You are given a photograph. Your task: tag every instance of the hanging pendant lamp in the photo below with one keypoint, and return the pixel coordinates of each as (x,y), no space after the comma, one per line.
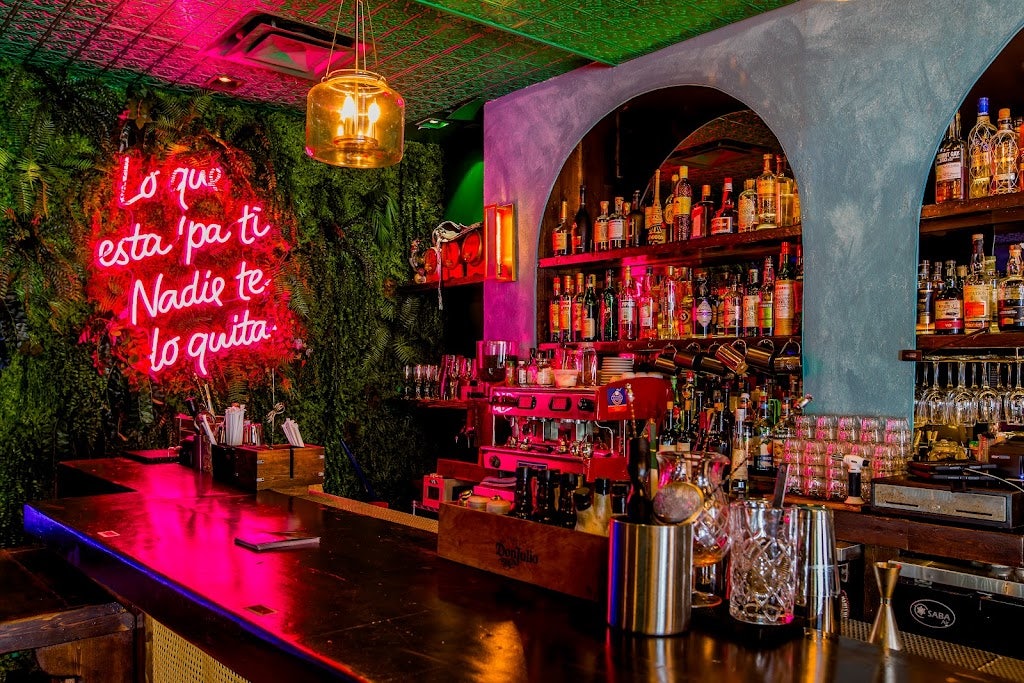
(353,117)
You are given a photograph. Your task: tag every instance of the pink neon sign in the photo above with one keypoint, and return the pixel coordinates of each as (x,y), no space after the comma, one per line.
(184,262)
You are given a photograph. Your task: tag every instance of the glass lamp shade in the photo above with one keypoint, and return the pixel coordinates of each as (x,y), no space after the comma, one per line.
(354,119)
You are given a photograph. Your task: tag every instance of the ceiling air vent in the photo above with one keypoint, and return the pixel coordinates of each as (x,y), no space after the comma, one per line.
(270,41)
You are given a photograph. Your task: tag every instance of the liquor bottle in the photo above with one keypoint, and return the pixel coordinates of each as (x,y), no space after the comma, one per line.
(561,236)
(703,212)
(733,308)
(601,228)
(627,309)
(949,304)
(993,284)
(783,193)
(684,309)
(608,329)
(1004,156)
(979,153)
(752,305)
(668,302)
(554,324)
(764,318)
(762,436)
(565,310)
(746,207)
(1011,293)
(591,310)
(925,300)
(652,216)
(703,306)
(949,165)
(798,289)
(724,222)
(544,499)
(577,309)
(767,199)
(742,437)
(977,290)
(566,509)
(785,295)
(523,505)
(617,237)
(719,290)
(683,197)
(647,304)
(669,210)
(583,237)
(635,222)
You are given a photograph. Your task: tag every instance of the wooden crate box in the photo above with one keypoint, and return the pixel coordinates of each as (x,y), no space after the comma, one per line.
(264,467)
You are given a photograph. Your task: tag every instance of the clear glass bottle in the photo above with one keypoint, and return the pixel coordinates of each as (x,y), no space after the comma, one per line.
(653,219)
(668,302)
(683,196)
(554,324)
(1004,156)
(591,310)
(627,309)
(752,304)
(1011,293)
(949,165)
(993,281)
(647,304)
(724,222)
(925,300)
(608,330)
(635,222)
(764,319)
(949,304)
(746,207)
(783,193)
(977,292)
(561,237)
(784,296)
(733,308)
(979,153)
(601,228)
(617,237)
(767,196)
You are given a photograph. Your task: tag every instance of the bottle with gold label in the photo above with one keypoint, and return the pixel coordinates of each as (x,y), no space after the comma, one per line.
(561,237)
(653,215)
(601,228)
(554,326)
(977,290)
(683,198)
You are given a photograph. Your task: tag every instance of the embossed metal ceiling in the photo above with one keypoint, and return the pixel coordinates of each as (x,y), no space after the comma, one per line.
(439,54)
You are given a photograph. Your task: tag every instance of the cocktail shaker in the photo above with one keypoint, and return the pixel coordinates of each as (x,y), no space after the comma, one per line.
(817,593)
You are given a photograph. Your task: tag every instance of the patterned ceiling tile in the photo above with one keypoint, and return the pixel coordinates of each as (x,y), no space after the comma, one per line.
(607,31)
(438,54)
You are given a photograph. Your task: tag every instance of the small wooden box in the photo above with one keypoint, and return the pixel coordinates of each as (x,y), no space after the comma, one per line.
(562,560)
(264,467)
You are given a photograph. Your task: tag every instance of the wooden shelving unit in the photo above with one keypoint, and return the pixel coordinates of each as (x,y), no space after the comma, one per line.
(938,219)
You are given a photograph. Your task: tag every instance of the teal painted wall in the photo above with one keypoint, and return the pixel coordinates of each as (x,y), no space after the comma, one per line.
(858,93)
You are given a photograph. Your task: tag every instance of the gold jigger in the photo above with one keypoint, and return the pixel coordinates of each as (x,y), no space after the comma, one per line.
(884,631)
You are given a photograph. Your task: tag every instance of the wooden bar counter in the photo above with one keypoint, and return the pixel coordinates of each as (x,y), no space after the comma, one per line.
(374,601)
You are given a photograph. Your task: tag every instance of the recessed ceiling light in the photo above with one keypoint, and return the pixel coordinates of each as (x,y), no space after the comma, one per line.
(223,82)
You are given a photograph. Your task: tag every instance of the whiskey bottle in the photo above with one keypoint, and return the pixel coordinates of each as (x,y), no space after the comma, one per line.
(554,326)
(977,292)
(1011,294)
(764,319)
(949,304)
(617,237)
(683,205)
(561,237)
(979,153)
(653,216)
(591,310)
(767,199)
(565,310)
(635,222)
(601,228)
(925,300)
(582,234)
(746,207)
(627,309)
(703,212)
(784,296)
(752,305)
(577,309)
(949,165)
(1004,156)
(724,222)
(608,330)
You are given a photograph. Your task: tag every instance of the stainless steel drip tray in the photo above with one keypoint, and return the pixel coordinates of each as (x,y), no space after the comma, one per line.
(960,577)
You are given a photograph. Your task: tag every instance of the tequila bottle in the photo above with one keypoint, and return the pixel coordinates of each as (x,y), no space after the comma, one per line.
(979,152)
(949,165)
(767,199)
(1004,156)
(746,208)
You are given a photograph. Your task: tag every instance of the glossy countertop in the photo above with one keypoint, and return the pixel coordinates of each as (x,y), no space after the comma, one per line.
(375,602)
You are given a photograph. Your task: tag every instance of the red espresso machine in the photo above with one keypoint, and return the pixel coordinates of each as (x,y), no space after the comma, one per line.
(582,430)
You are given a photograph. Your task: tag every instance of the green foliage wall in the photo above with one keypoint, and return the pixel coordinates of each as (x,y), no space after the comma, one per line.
(351,233)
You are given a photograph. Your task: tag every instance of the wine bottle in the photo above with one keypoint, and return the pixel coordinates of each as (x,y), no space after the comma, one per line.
(581,226)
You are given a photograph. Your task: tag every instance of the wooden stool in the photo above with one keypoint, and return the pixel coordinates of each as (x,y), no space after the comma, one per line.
(78,633)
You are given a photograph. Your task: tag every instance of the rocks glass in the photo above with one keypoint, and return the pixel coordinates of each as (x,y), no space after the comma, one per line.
(763,564)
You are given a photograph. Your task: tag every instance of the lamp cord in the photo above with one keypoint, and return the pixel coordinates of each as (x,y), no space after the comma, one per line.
(334,41)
